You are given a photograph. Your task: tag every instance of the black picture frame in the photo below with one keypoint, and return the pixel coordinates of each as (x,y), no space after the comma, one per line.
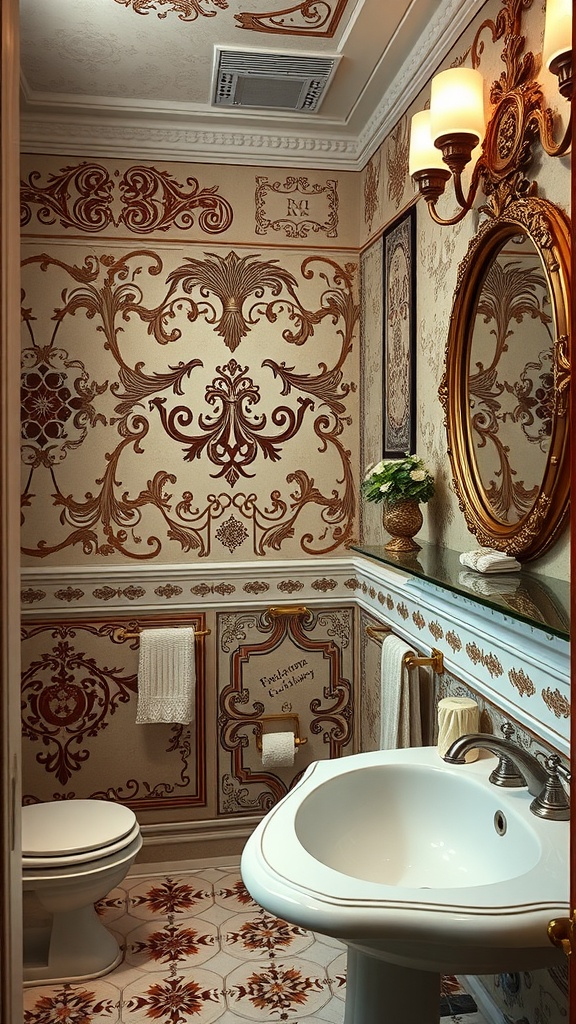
(399,337)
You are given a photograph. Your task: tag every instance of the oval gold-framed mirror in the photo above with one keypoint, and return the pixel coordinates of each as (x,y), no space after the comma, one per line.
(506,379)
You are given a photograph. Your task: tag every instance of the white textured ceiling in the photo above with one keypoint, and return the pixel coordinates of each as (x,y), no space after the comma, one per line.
(135,77)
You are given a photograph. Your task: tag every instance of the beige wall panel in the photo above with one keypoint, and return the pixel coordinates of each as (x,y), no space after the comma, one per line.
(285,665)
(80,737)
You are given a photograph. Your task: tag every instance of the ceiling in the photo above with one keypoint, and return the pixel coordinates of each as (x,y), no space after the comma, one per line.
(137,77)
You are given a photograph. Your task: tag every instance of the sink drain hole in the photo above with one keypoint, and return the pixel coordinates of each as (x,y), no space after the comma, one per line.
(500,823)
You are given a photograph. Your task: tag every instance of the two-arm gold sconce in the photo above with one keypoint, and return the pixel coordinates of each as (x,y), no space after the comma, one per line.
(444,137)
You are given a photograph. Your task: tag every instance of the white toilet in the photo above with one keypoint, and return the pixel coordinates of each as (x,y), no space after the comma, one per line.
(74,852)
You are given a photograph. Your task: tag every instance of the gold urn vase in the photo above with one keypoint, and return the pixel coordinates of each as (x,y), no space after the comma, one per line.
(402,520)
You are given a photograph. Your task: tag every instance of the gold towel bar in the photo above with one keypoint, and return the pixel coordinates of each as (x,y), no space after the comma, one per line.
(125,635)
(298,740)
(288,609)
(435,659)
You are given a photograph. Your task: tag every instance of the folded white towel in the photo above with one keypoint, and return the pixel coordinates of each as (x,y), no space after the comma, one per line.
(400,716)
(166,676)
(488,560)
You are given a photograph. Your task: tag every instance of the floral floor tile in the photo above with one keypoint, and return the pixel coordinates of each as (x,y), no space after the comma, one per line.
(173,894)
(174,998)
(158,944)
(198,948)
(277,990)
(249,936)
(93,1002)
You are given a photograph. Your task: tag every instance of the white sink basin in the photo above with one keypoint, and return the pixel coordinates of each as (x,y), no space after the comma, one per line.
(421,864)
(416,826)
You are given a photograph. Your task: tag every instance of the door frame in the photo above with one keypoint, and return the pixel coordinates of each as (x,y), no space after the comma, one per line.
(10,739)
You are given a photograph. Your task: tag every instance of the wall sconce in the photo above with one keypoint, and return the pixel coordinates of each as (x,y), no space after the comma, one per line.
(557,49)
(443,139)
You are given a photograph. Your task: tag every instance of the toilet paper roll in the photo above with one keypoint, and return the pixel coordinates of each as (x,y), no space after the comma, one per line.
(457,716)
(278,749)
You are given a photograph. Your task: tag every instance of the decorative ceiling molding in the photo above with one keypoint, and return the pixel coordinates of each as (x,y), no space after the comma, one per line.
(103,131)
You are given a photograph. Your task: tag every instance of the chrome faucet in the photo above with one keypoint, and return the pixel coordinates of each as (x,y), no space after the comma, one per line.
(517,767)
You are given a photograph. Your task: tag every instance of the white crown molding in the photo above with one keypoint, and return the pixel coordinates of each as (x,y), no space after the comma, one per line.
(104,133)
(452,18)
(136,141)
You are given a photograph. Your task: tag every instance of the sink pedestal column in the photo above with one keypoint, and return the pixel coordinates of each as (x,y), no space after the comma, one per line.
(381,993)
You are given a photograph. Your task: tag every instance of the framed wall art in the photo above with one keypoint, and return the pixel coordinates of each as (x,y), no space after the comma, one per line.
(399,342)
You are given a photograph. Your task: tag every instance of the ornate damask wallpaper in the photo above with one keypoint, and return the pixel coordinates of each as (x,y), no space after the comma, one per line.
(184,399)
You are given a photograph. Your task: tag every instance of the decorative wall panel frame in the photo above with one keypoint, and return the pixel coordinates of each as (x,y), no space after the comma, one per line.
(79,706)
(399,342)
(318,640)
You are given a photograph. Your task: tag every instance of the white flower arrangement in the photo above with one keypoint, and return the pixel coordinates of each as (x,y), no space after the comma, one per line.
(394,480)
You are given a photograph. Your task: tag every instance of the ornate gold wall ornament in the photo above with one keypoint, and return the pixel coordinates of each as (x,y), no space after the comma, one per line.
(30,595)
(490,661)
(256,587)
(402,611)
(557,703)
(436,630)
(522,682)
(454,641)
(69,594)
(289,586)
(168,591)
(418,620)
(324,585)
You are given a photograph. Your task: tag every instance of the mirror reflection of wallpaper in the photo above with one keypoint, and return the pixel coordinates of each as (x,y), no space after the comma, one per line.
(183,402)
(511,382)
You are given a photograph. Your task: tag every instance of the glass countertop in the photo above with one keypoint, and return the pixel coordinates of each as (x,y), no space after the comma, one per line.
(540,601)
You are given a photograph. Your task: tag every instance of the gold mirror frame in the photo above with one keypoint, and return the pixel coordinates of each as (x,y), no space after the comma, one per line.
(548,229)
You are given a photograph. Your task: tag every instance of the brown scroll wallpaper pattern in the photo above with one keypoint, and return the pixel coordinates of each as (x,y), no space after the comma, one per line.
(88,197)
(179,402)
(320,18)
(279,666)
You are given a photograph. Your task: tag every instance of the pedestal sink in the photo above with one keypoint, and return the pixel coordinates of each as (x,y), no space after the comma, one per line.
(421,868)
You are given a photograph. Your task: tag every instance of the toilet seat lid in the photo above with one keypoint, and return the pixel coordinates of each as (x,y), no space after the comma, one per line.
(64,827)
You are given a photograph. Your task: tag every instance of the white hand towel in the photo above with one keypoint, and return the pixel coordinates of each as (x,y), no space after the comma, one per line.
(166,676)
(400,717)
(488,560)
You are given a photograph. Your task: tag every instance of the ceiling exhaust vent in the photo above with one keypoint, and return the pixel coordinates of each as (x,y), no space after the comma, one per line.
(284,81)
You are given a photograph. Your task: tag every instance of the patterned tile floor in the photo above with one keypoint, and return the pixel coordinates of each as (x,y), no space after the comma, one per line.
(197,948)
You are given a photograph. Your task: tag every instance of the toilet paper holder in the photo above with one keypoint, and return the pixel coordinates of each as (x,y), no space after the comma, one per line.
(298,740)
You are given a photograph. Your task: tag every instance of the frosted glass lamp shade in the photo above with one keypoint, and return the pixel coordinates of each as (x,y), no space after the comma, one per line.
(457,104)
(557,31)
(423,153)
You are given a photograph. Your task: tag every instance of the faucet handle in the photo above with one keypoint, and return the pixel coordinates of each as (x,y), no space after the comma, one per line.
(506,773)
(552,802)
